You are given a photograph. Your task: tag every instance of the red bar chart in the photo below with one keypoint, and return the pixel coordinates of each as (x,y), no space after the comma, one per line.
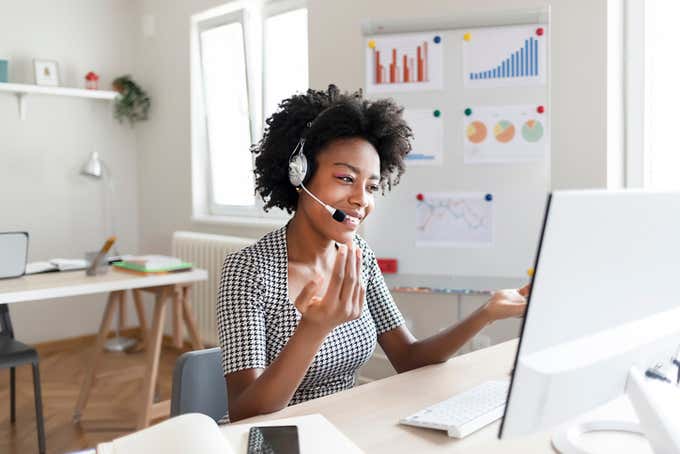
(404,62)
(402,67)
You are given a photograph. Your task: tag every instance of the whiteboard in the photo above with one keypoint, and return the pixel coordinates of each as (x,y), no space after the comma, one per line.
(519,189)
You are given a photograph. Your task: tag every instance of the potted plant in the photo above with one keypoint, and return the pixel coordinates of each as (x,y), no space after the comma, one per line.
(133,102)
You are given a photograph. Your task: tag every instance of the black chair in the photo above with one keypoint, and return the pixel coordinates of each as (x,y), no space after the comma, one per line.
(12,354)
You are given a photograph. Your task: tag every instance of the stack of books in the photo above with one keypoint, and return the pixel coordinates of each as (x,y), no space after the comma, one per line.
(152,264)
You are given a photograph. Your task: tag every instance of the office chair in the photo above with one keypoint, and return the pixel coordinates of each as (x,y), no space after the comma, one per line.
(12,354)
(198,384)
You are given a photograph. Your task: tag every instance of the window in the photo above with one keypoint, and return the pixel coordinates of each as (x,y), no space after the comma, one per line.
(246,58)
(652,93)
(661,94)
(286,57)
(223,66)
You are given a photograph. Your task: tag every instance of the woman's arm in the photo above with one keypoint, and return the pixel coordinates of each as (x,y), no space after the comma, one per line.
(406,353)
(256,391)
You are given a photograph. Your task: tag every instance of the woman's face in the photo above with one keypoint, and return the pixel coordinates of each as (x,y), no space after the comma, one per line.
(347,177)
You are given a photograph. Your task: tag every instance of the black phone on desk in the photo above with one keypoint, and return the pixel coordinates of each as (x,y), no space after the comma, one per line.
(273,440)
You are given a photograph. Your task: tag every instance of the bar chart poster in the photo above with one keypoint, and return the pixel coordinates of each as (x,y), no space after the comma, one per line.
(505,56)
(504,134)
(404,62)
(427,126)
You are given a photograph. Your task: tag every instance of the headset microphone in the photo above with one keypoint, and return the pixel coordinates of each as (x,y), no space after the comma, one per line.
(297,172)
(337,214)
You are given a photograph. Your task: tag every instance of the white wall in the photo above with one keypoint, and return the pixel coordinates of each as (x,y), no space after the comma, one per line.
(40,189)
(578,95)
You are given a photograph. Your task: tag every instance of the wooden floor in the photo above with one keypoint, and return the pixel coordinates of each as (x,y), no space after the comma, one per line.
(111,410)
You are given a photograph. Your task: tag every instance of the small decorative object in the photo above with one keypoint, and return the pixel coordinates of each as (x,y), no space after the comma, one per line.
(91,81)
(133,102)
(4,70)
(46,72)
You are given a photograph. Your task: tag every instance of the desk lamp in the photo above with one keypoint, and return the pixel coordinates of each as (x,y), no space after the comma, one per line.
(96,169)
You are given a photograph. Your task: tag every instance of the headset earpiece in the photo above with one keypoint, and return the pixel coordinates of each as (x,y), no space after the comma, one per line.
(298,165)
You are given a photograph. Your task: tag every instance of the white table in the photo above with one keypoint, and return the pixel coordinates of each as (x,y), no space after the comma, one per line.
(175,287)
(369,414)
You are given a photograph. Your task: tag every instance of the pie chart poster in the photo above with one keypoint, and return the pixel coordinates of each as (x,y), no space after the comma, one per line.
(505,134)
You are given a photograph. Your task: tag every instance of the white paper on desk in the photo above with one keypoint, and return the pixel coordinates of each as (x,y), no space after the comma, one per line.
(39,267)
(192,432)
(315,432)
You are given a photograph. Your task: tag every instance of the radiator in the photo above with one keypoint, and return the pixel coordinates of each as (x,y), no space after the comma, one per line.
(207,252)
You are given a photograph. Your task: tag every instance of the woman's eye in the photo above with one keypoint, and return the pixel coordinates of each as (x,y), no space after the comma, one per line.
(373,188)
(347,179)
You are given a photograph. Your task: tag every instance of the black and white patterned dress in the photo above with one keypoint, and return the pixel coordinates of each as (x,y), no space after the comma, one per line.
(255,317)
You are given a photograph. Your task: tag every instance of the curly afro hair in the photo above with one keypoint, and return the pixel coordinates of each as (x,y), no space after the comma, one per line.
(321,117)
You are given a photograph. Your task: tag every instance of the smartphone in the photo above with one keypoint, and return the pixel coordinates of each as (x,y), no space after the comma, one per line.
(273,440)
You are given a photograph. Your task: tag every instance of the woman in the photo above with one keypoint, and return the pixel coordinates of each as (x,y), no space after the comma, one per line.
(302,309)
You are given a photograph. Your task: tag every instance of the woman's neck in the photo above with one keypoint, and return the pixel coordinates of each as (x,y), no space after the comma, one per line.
(306,244)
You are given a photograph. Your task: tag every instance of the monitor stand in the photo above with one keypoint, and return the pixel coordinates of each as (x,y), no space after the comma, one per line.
(657,405)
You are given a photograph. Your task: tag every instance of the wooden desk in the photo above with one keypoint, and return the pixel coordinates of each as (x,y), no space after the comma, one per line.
(369,414)
(173,287)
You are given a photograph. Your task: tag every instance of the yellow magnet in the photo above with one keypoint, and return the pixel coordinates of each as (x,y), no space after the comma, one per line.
(530,272)
(467,36)
(371,43)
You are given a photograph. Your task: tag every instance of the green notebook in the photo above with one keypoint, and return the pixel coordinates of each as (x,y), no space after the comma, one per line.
(144,269)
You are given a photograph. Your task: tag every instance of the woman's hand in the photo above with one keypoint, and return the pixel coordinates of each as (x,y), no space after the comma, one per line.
(506,304)
(344,298)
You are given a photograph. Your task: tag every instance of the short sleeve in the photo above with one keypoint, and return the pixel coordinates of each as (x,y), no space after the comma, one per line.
(383,309)
(240,315)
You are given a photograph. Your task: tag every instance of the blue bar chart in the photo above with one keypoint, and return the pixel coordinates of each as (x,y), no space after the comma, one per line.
(522,63)
(505,56)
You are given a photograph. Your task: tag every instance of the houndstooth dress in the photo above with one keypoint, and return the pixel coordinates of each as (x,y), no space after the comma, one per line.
(255,318)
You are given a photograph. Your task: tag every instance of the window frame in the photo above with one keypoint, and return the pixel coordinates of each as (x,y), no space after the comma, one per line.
(252,16)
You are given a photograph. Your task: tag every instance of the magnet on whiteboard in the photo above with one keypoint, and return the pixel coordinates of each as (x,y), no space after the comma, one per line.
(540,109)
(420,197)
(468,111)
(488,197)
(371,43)
(467,36)
(436,113)
(437,39)
(539,31)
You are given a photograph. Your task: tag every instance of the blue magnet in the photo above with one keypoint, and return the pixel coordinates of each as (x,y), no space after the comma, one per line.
(488,197)
(437,39)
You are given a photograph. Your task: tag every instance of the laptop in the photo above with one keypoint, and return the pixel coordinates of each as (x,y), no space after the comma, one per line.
(13,254)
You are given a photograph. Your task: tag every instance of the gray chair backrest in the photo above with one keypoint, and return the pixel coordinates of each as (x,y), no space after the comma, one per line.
(198,384)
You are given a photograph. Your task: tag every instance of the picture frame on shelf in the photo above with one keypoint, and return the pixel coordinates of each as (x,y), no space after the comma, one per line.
(46,72)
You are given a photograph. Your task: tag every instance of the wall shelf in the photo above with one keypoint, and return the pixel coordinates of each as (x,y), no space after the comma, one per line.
(22,90)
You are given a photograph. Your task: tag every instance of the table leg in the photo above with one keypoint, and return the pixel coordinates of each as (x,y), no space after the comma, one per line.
(152,356)
(189,318)
(88,380)
(177,316)
(141,313)
(122,311)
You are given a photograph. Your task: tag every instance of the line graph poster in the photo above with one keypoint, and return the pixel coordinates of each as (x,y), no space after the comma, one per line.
(505,56)
(404,62)
(454,219)
(504,134)
(428,137)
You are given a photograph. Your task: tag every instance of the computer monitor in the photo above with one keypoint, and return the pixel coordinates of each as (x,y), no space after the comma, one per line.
(604,305)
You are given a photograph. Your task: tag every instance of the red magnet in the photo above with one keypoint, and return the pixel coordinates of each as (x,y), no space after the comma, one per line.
(540,109)
(539,31)
(420,197)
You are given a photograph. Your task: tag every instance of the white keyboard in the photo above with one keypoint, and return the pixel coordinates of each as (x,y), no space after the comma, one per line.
(466,412)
